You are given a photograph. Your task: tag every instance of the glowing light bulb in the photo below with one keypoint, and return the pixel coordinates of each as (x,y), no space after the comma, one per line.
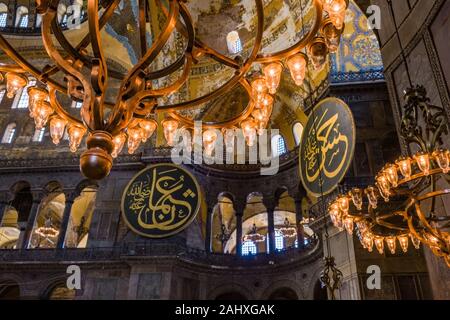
(57,126)
(415,241)
(14,83)
(76,134)
(272,73)
(148,127)
(297,67)
(42,112)
(356,195)
(372,197)
(249,131)
(442,158)
(423,162)
(390,171)
(383,186)
(209,140)
(259,89)
(229,135)
(35,95)
(170,127)
(391,243)
(404,165)
(348,223)
(379,243)
(404,242)
(333,6)
(134,138)
(344,204)
(368,241)
(119,142)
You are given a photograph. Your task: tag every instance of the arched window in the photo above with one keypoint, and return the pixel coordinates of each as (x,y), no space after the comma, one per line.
(3,15)
(8,136)
(278,146)
(234,42)
(22,17)
(297,131)
(38,135)
(249,248)
(22,99)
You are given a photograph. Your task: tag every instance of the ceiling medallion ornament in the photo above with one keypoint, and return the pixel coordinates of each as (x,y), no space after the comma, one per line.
(131,115)
(404,205)
(161,201)
(328,144)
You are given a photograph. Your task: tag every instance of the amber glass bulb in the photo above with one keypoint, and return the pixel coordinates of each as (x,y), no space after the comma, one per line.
(42,112)
(148,127)
(404,242)
(372,197)
(134,138)
(57,126)
(272,73)
(356,195)
(404,165)
(368,241)
(14,82)
(442,158)
(391,243)
(209,140)
(415,241)
(423,162)
(379,243)
(333,6)
(35,95)
(119,142)
(76,134)
(297,67)
(259,89)
(170,128)
(390,172)
(249,131)
(348,223)
(229,136)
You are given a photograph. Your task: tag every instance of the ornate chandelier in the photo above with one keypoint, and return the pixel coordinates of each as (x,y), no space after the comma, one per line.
(132,117)
(415,182)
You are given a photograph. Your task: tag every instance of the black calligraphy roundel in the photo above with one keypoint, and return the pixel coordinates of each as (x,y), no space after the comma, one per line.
(161,201)
(327,146)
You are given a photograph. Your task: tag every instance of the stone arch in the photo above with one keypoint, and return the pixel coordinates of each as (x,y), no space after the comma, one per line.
(57,290)
(283,285)
(223,222)
(227,290)
(9,290)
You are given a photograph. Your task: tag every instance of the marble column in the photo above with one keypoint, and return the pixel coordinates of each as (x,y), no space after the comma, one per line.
(208,228)
(37,197)
(70,198)
(270,205)
(298,220)
(239,216)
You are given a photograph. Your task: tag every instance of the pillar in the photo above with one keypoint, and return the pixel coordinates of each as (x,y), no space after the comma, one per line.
(208,228)
(298,220)
(37,197)
(70,198)
(270,205)
(239,206)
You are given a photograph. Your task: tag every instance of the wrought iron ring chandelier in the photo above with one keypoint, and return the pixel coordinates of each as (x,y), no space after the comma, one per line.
(108,125)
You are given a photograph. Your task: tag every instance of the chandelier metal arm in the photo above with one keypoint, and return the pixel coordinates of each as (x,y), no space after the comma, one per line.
(126,90)
(59,109)
(68,68)
(195,103)
(109,10)
(26,66)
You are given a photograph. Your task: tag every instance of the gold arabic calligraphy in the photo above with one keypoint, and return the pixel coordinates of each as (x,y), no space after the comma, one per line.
(154,202)
(324,145)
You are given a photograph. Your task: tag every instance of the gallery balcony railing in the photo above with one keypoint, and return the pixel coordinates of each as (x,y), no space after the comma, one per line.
(148,250)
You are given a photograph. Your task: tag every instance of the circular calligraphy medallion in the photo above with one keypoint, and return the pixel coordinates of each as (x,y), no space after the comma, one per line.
(161,200)
(327,146)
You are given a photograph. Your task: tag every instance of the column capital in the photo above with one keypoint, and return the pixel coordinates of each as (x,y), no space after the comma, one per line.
(270,203)
(71,194)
